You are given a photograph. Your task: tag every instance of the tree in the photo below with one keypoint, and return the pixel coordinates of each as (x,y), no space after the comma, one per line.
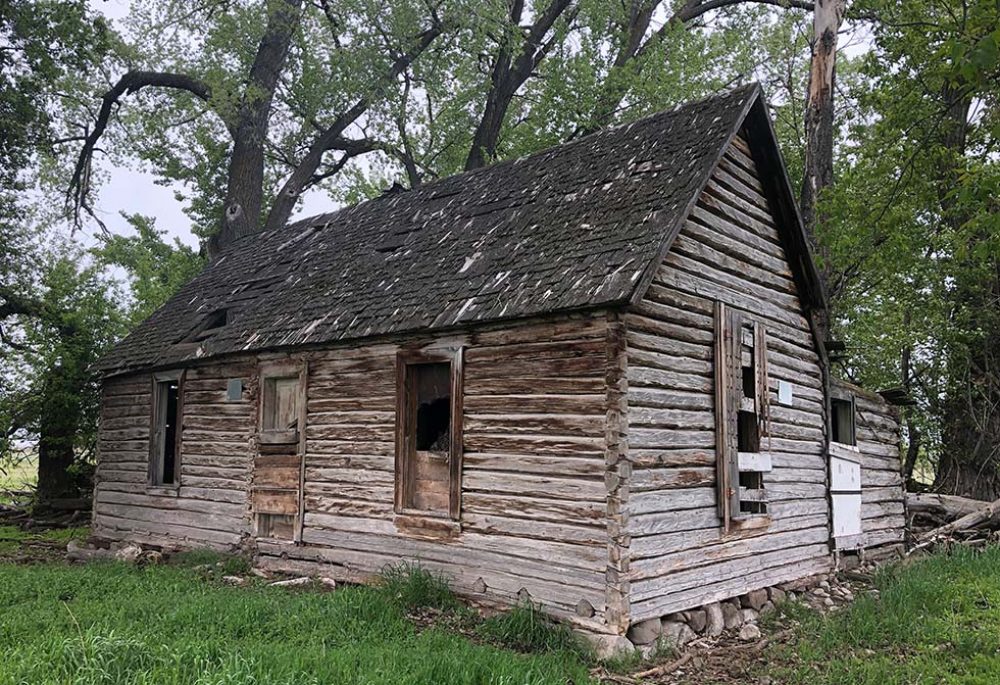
(914,232)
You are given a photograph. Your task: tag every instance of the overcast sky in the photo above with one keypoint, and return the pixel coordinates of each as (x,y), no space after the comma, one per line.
(131,190)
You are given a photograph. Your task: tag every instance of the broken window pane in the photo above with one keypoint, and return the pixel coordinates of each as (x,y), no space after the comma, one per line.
(432,385)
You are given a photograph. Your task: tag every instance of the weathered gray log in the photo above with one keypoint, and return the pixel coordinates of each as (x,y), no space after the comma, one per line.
(949,507)
(977,518)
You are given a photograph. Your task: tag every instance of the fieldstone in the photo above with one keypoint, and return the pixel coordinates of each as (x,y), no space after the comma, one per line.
(828,602)
(825,585)
(697,620)
(732,616)
(152,557)
(820,592)
(645,632)
(777,595)
(755,599)
(715,622)
(676,634)
(750,615)
(767,608)
(749,632)
(234,580)
(129,554)
(609,646)
(329,582)
(260,573)
(679,617)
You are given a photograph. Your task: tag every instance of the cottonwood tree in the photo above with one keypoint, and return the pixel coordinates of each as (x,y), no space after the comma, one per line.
(914,229)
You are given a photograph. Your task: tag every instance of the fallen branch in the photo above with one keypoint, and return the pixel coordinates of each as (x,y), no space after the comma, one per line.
(977,518)
(665,668)
(949,507)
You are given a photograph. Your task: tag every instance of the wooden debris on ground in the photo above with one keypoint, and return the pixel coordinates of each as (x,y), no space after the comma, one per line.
(955,520)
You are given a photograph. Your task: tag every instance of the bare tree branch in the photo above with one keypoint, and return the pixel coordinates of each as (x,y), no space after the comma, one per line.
(509,73)
(284,203)
(129,83)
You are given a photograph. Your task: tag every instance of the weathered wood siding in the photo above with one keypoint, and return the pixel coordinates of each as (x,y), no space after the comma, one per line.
(210,506)
(728,251)
(883,519)
(534,505)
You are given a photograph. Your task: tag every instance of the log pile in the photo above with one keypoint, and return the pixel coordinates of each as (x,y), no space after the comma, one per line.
(946,519)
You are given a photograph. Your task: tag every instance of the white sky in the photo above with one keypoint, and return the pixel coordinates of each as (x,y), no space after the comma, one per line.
(134,191)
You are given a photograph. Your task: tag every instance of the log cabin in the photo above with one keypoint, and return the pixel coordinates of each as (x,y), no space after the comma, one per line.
(590,378)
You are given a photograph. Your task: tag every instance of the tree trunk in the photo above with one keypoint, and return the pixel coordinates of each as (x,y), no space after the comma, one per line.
(58,424)
(245,189)
(818,170)
(970,457)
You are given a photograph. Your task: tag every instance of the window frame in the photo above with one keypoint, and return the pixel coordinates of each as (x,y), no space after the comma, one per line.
(847,397)
(157,446)
(405,427)
(730,402)
(275,371)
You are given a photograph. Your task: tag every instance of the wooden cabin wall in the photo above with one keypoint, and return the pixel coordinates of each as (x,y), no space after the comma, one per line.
(883,520)
(534,503)
(209,508)
(728,251)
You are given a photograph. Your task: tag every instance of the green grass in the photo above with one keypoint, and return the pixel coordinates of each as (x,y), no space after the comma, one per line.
(526,629)
(21,475)
(115,624)
(937,620)
(13,538)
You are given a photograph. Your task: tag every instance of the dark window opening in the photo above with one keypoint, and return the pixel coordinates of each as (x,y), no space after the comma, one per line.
(749,382)
(842,421)
(432,385)
(747,432)
(165,434)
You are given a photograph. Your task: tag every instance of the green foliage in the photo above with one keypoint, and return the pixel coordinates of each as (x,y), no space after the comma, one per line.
(935,622)
(112,623)
(526,629)
(414,587)
(156,268)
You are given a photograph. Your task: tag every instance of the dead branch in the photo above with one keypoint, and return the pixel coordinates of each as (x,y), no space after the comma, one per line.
(129,83)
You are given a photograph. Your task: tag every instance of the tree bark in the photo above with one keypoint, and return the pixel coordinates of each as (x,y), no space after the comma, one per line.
(508,75)
(331,137)
(245,188)
(818,172)
(818,168)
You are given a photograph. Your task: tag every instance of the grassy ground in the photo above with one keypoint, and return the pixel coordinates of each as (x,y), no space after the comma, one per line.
(19,476)
(937,620)
(115,624)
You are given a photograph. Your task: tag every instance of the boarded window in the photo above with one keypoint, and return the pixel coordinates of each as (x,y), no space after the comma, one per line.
(279,414)
(276,526)
(742,414)
(842,428)
(428,433)
(164,457)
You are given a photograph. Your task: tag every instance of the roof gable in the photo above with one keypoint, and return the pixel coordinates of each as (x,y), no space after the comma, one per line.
(579,226)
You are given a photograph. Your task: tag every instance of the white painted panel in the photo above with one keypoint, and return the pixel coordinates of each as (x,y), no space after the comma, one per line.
(845,476)
(846,515)
(755,461)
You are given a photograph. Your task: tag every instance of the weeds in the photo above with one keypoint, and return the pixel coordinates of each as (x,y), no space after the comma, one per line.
(525,628)
(414,587)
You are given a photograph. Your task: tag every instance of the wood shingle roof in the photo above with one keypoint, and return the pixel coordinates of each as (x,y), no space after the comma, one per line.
(574,227)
